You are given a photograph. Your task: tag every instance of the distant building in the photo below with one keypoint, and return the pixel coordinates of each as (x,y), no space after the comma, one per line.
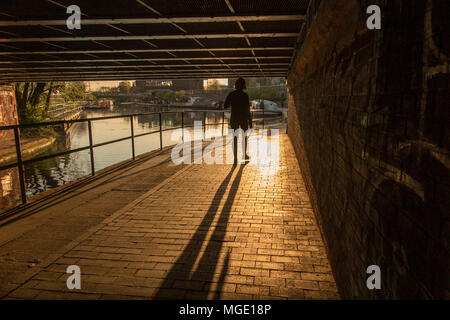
(178,85)
(259,82)
(266,82)
(231,82)
(175,85)
(146,85)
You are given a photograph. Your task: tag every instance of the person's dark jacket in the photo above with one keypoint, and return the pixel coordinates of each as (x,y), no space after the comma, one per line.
(240,110)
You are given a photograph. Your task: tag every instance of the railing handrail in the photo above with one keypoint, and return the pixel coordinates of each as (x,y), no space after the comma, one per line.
(58,122)
(20,162)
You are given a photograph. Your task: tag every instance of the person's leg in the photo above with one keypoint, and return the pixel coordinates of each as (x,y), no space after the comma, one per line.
(246,147)
(245,142)
(235,143)
(243,146)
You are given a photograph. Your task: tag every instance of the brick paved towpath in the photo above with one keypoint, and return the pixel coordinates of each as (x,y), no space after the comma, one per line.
(207,232)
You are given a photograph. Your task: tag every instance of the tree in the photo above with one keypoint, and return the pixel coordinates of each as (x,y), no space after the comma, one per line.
(91,97)
(213,85)
(124,87)
(74,91)
(253,93)
(267,93)
(52,87)
(167,96)
(32,100)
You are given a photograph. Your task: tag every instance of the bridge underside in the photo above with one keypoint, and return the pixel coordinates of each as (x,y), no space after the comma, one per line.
(141,39)
(368,108)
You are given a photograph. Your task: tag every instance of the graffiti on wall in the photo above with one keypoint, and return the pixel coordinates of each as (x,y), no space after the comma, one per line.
(416,174)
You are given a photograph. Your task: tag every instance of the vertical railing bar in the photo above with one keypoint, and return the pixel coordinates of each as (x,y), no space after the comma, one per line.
(91,148)
(204,125)
(20,165)
(263,118)
(182,126)
(160,131)
(132,138)
(223,121)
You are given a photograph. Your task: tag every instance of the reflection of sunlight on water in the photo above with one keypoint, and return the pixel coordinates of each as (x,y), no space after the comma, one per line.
(265,153)
(6,182)
(53,172)
(9,188)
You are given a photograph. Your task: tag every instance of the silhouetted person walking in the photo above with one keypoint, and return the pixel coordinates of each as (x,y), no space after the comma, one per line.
(241,116)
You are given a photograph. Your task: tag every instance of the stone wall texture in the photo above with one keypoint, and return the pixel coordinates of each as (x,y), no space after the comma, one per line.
(8,112)
(369,118)
(9,179)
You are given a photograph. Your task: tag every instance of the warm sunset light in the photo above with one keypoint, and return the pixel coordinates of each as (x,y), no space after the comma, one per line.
(220,157)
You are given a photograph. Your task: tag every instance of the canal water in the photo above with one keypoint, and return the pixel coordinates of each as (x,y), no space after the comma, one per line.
(47,174)
(56,171)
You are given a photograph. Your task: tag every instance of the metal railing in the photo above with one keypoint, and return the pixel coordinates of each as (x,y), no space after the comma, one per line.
(21,162)
(58,111)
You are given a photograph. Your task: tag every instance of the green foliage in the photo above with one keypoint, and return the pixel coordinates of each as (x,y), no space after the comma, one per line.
(167,96)
(74,91)
(253,93)
(119,100)
(267,93)
(124,87)
(91,97)
(32,101)
(213,85)
(270,93)
(34,113)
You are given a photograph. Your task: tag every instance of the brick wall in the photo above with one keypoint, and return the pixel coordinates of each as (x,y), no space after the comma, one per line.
(9,179)
(8,111)
(369,119)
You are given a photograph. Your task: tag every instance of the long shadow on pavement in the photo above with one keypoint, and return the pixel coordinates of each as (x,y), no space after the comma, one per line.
(182,271)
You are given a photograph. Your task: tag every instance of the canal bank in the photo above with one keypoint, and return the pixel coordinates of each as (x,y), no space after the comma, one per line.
(74,159)
(29,148)
(51,173)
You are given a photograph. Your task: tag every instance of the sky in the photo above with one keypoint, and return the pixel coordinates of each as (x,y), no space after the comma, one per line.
(95,85)
(221,81)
